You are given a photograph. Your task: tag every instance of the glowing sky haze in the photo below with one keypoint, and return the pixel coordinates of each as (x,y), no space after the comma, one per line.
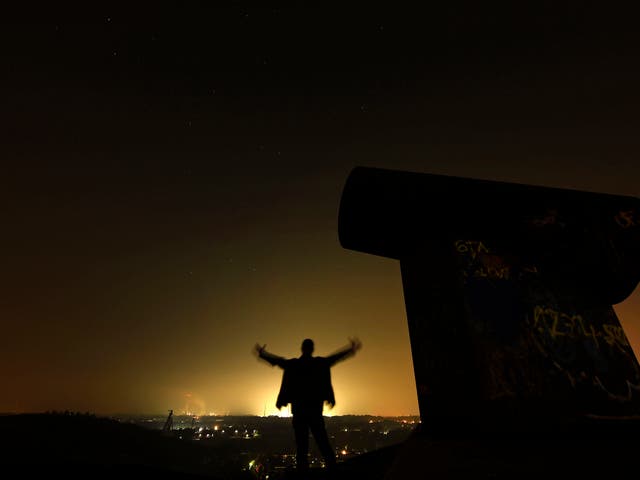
(171,183)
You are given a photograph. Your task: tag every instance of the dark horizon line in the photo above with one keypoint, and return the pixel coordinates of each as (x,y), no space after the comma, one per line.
(111,415)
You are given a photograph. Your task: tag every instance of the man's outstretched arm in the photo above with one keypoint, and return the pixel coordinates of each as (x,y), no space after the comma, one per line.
(346,352)
(269,357)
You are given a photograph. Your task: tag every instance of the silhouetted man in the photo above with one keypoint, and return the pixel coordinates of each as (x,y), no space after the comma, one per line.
(306,384)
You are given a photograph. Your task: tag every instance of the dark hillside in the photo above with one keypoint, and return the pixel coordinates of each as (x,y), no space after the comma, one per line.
(86,446)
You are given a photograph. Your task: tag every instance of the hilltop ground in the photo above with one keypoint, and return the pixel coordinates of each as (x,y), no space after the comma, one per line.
(85,446)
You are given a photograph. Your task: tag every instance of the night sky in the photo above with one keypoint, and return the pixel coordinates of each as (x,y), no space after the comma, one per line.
(171,179)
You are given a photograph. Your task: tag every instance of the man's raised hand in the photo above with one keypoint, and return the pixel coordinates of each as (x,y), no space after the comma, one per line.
(355,344)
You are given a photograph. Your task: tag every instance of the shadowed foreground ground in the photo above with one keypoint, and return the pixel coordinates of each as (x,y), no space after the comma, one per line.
(84,446)
(89,447)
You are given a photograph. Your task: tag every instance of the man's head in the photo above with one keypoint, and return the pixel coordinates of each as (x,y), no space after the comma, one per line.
(307,346)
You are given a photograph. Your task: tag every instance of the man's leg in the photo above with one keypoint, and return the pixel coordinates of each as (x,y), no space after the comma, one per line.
(301,430)
(320,434)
